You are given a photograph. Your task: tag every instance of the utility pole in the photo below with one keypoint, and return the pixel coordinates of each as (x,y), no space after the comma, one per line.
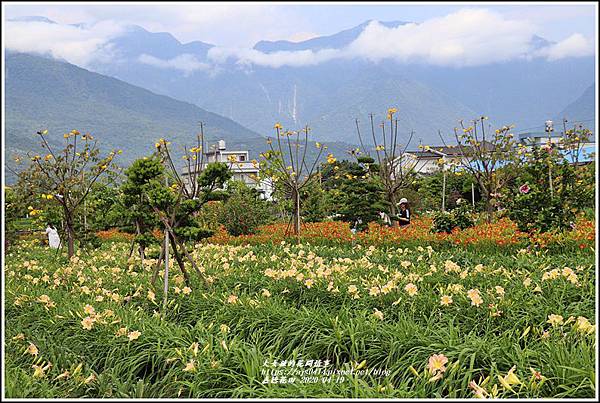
(166,278)
(444,187)
(549,129)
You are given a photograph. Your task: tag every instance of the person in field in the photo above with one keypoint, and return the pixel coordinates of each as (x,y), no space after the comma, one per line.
(53,238)
(403,215)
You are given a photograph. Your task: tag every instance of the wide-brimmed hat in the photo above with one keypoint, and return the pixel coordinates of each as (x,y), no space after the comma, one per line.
(403,201)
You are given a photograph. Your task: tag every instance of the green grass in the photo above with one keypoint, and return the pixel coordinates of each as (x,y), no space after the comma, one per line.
(296,321)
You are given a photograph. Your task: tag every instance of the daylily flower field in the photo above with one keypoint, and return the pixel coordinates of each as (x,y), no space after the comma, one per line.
(277,318)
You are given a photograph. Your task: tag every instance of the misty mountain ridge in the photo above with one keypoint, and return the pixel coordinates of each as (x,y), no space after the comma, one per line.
(330,95)
(335,41)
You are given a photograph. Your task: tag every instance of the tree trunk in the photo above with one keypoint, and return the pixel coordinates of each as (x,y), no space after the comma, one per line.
(186,276)
(131,248)
(393,211)
(489,208)
(142,255)
(296,200)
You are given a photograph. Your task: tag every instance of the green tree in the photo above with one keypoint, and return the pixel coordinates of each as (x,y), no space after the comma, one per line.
(138,213)
(549,190)
(316,202)
(67,176)
(362,196)
(458,186)
(243,211)
(177,205)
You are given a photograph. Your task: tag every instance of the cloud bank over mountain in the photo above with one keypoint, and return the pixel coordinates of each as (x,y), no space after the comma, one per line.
(79,44)
(186,62)
(468,37)
(575,45)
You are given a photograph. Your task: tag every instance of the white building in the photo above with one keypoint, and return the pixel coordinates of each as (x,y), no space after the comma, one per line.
(242,168)
(432,159)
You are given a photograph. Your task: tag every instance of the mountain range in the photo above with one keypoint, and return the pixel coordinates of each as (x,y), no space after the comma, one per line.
(245,100)
(48,94)
(329,96)
(581,109)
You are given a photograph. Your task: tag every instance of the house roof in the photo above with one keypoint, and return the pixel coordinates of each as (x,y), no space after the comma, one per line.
(435,151)
(452,151)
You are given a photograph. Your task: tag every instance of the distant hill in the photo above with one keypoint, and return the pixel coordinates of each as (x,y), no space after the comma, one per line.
(47,94)
(327,97)
(582,110)
(335,41)
(43,93)
(32,18)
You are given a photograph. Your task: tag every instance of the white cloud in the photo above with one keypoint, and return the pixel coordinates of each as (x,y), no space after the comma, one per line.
(276,59)
(465,38)
(185,62)
(226,24)
(76,45)
(468,37)
(575,45)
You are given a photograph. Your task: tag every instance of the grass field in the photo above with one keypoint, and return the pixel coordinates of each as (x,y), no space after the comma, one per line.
(384,321)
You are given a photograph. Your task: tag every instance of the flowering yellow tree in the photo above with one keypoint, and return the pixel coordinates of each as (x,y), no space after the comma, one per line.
(489,158)
(285,165)
(67,176)
(396,170)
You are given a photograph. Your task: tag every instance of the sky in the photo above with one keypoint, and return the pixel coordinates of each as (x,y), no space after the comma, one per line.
(447,34)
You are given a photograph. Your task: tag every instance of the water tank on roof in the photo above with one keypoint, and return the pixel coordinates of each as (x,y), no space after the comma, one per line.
(221,144)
